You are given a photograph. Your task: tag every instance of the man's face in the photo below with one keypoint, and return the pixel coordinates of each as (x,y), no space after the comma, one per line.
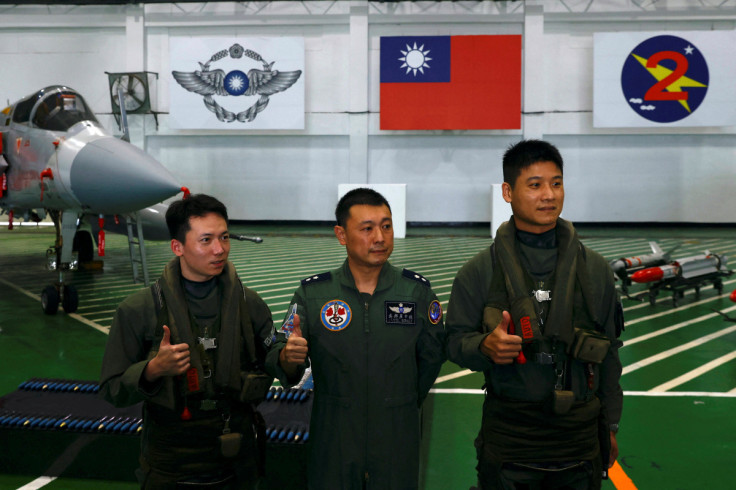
(368,235)
(205,250)
(537,197)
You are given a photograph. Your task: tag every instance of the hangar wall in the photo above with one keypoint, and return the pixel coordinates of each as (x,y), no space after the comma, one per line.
(612,175)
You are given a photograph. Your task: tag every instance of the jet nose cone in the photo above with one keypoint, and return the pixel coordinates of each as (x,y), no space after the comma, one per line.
(110,176)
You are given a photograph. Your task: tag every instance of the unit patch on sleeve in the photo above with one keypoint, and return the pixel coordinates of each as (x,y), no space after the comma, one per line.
(401,313)
(336,315)
(435,312)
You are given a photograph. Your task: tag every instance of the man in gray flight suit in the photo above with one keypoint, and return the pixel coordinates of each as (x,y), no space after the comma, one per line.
(374,336)
(191,348)
(538,313)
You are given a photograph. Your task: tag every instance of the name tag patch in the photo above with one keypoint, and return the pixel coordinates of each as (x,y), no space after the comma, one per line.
(400,313)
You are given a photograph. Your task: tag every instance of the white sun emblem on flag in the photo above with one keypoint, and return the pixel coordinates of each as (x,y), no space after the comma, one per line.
(415,59)
(236,83)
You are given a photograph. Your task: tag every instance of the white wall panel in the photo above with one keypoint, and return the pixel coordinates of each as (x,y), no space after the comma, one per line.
(667,178)
(260,177)
(660,174)
(448,176)
(31,60)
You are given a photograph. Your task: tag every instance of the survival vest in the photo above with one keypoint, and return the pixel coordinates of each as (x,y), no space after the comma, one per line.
(512,289)
(241,378)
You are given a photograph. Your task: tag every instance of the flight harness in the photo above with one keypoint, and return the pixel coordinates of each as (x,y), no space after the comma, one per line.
(254,382)
(553,339)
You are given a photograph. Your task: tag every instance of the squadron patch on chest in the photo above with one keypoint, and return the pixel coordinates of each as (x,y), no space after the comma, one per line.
(401,313)
(336,315)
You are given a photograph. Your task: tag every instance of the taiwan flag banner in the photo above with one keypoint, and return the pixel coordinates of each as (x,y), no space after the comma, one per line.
(664,79)
(451,82)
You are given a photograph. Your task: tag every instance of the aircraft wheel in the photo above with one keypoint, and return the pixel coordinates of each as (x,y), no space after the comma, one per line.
(71,299)
(50,300)
(84,246)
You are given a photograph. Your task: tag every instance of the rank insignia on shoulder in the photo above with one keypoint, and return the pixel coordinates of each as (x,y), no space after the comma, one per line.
(400,313)
(435,312)
(316,278)
(416,277)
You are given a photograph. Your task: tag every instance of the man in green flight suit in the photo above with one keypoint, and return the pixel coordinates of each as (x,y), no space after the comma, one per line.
(375,339)
(539,315)
(191,348)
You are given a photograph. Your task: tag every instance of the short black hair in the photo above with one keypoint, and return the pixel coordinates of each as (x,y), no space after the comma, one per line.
(526,153)
(361,195)
(199,205)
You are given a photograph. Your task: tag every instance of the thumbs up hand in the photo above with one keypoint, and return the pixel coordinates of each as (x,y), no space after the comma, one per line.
(296,348)
(171,359)
(295,351)
(499,345)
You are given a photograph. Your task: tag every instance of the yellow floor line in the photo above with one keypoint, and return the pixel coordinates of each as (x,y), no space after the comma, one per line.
(619,478)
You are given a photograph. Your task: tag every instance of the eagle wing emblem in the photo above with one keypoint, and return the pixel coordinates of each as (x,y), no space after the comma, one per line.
(269,82)
(202,82)
(402,309)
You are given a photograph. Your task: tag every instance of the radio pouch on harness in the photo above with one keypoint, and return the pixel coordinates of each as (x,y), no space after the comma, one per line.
(255,386)
(590,346)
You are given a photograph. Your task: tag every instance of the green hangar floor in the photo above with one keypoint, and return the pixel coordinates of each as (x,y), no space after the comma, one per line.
(678,429)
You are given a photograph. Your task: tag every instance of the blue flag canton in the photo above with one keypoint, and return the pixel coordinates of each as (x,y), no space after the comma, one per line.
(415,59)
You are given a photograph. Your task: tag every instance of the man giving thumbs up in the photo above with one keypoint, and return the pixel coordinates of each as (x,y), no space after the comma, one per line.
(191,349)
(374,336)
(524,312)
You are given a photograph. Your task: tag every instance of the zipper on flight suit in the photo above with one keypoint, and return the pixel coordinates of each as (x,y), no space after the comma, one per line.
(366,298)
(366,329)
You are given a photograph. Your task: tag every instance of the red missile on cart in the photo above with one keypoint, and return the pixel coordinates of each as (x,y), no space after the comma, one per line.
(687,268)
(657,257)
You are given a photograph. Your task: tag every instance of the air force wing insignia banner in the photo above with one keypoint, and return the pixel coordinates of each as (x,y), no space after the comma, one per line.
(237,83)
(451,82)
(652,79)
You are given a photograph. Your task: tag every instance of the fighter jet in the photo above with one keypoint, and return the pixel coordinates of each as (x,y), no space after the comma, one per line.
(57,160)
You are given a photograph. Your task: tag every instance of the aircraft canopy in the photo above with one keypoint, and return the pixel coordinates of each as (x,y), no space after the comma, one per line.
(54,109)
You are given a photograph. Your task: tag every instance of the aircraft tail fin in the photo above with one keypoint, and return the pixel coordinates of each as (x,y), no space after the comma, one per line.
(655,247)
(669,252)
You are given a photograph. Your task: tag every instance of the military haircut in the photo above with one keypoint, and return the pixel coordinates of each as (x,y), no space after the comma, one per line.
(199,205)
(526,153)
(361,195)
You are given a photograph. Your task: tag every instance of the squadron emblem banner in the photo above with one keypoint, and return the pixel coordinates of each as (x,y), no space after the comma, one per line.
(659,79)
(237,83)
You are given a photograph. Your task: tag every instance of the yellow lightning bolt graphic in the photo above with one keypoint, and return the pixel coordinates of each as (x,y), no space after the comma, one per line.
(660,73)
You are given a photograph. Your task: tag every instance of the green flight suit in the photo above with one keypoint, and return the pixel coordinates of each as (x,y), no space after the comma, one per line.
(523,387)
(173,448)
(374,359)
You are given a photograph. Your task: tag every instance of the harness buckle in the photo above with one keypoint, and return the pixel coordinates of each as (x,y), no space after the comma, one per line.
(545,358)
(208,405)
(541,295)
(207,342)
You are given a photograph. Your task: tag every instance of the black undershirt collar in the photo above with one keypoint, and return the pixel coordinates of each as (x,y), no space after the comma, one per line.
(199,290)
(546,240)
